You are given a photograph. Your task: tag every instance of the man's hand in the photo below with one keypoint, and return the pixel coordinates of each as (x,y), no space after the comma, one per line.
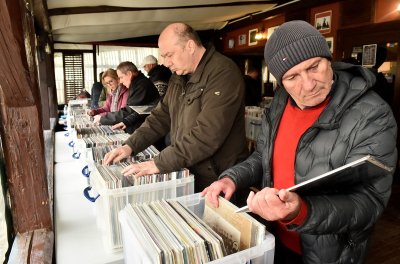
(120,125)
(96,119)
(117,154)
(272,204)
(140,169)
(225,185)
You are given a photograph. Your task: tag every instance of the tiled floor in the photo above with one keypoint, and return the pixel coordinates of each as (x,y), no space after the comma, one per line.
(385,246)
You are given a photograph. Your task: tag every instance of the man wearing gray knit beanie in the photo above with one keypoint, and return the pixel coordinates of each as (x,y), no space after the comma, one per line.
(292,43)
(322,116)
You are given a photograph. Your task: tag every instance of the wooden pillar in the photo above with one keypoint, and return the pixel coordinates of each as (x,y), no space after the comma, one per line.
(20,117)
(47,86)
(48,93)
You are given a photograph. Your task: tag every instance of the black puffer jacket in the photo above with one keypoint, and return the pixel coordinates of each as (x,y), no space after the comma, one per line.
(356,122)
(160,75)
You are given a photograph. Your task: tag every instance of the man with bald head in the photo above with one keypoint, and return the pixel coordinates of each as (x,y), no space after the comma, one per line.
(203,109)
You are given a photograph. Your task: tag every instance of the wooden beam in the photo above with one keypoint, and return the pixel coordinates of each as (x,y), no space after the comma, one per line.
(106,9)
(21,248)
(20,112)
(32,247)
(41,15)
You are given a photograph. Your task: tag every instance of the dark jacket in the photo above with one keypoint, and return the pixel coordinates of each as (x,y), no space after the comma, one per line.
(141,92)
(160,75)
(206,118)
(96,91)
(356,122)
(253,91)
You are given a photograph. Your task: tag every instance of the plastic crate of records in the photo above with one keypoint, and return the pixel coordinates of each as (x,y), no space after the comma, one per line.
(253,120)
(187,230)
(115,191)
(76,110)
(96,146)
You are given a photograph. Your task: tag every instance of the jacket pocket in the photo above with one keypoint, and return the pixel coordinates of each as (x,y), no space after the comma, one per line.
(191,97)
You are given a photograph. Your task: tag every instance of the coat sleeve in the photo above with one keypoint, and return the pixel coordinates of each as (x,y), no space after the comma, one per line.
(357,207)
(142,93)
(112,118)
(246,173)
(156,125)
(106,107)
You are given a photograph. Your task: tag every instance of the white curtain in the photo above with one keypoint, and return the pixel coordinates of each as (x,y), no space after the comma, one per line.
(111,56)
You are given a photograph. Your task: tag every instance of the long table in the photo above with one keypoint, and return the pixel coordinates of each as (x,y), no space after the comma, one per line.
(77,237)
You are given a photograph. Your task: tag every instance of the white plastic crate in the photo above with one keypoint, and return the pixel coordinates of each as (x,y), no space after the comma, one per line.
(253,119)
(111,201)
(262,253)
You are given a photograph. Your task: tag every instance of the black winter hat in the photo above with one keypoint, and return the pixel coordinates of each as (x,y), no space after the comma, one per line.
(293,42)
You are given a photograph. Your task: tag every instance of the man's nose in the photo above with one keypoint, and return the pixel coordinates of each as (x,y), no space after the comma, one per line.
(167,62)
(308,82)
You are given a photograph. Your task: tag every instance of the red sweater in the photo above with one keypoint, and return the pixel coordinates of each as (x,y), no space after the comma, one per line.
(292,126)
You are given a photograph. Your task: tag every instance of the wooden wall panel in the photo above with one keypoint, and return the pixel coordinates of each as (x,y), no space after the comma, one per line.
(356,12)
(20,116)
(256,49)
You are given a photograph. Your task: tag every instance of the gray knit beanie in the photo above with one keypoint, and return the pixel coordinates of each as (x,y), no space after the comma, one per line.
(293,42)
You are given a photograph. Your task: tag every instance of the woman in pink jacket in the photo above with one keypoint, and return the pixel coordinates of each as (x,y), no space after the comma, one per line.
(116,98)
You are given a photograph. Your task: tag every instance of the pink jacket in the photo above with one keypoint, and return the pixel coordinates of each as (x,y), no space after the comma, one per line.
(122,98)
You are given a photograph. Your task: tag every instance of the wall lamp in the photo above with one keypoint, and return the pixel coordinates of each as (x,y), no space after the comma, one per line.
(261,34)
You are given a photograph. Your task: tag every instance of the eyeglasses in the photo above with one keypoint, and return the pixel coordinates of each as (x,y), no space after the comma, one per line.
(109,82)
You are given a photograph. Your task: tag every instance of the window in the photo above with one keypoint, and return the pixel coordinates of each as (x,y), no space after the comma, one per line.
(81,69)
(73,75)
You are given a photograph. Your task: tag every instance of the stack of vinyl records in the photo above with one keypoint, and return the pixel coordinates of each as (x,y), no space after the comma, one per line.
(117,190)
(81,120)
(98,153)
(105,140)
(78,111)
(82,132)
(146,154)
(112,177)
(170,231)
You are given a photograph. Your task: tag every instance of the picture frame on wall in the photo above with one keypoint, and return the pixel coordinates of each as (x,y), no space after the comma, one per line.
(242,39)
(329,40)
(323,22)
(369,55)
(252,37)
(231,43)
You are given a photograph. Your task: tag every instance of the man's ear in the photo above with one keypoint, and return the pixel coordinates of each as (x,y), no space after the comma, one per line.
(191,46)
(130,74)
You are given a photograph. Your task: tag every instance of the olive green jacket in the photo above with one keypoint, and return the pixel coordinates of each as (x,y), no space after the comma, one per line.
(205,116)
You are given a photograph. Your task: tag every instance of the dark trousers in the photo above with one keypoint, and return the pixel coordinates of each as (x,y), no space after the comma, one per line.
(283,255)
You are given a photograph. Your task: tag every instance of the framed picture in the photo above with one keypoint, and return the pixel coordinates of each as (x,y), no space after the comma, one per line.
(369,55)
(242,39)
(323,21)
(231,43)
(252,37)
(330,43)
